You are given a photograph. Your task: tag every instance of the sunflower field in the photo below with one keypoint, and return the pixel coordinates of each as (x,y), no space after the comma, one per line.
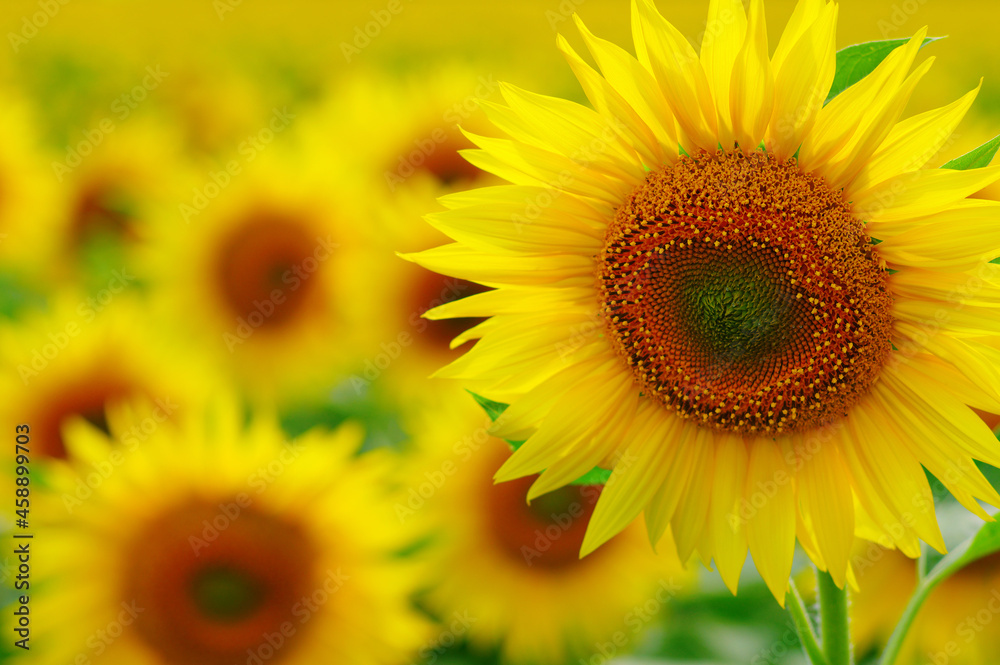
(535,332)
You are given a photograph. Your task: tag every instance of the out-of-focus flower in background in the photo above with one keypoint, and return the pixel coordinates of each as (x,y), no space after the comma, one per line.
(215,541)
(88,351)
(201,205)
(514,568)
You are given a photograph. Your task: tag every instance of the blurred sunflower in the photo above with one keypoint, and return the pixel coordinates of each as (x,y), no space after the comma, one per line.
(723,315)
(412,155)
(956,624)
(215,107)
(512,570)
(85,353)
(216,542)
(407,160)
(110,186)
(265,267)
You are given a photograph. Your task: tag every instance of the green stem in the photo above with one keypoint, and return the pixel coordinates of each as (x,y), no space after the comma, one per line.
(803,626)
(924,588)
(835,625)
(895,644)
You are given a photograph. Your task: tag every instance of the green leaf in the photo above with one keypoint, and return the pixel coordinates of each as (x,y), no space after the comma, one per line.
(986,541)
(975,159)
(596,476)
(858,61)
(492,409)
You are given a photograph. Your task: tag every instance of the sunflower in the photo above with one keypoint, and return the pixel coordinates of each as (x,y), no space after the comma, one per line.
(110,181)
(217,542)
(406,161)
(260,266)
(509,576)
(413,154)
(688,276)
(87,352)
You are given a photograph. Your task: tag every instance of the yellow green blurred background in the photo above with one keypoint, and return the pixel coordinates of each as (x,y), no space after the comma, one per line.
(164,165)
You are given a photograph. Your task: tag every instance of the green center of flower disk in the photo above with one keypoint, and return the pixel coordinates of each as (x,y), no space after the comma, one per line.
(745,294)
(226,594)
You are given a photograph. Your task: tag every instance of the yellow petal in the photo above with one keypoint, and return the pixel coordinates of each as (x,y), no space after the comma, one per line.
(967,320)
(726,522)
(881,515)
(951,289)
(839,121)
(770,492)
(752,99)
(523,164)
(636,477)
(876,127)
(493,269)
(507,228)
(609,102)
(662,506)
(978,362)
(724,34)
(636,85)
(921,193)
(942,373)
(691,518)
(958,472)
(825,495)
(510,300)
(803,16)
(680,76)
(802,83)
(965,235)
(530,197)
(577,413)
(600,444)
(898,478)
(522,418)
(914,142)
(573,130)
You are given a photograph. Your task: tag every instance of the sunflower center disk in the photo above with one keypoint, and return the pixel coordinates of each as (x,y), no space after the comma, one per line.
(744,293)
(214,579)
